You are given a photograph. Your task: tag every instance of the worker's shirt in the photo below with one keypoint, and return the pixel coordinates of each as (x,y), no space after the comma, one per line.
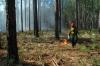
(73,34)
(73,31)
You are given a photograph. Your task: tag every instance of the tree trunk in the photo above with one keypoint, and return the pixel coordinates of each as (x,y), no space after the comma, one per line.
(59,16)
(40,17)
(39,14)
(25,13)
(99,22)
(77,20)
(0,36)
(92,15)
(11,33)
(29,16)
(57,20)
(0,40)
(21,16)
(79,16)
(36,26)
(85,15)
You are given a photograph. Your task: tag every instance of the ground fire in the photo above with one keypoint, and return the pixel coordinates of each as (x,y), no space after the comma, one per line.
(64,42)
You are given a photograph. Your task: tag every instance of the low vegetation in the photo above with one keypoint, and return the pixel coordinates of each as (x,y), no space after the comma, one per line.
(46,51)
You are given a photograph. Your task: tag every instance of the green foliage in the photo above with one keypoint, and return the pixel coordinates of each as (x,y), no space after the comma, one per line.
(93,47)
(87,12)
(84,48)
(96,61)
(69,9)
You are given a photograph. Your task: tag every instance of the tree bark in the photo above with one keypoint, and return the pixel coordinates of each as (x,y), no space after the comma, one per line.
(11,33)
(0,40)
(77,12)
(99,22)
(39,14)
(29,16)
(57,20)
(25,13)
(21,16)
(36,26)
(59,16)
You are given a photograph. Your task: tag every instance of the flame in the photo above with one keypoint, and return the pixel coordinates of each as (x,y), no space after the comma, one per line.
(65,42)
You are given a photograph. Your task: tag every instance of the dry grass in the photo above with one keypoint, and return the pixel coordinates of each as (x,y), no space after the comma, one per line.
(46,51)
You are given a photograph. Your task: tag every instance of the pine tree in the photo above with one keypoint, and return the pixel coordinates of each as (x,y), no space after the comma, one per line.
(77,19)
(57,20)
(29,16)
(21,16)
(25,3)
(11,33)
(36,25)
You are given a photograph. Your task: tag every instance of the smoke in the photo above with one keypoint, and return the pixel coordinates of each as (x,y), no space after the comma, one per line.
(45,15)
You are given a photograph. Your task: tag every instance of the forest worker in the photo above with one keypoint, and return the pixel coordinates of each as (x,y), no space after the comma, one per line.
(72,35)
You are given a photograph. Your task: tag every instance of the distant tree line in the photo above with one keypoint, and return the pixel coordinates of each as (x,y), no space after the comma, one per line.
(85,13)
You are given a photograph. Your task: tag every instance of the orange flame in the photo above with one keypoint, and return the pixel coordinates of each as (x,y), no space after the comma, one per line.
(65,42)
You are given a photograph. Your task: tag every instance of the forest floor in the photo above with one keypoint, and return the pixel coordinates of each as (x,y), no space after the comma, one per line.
(46,51)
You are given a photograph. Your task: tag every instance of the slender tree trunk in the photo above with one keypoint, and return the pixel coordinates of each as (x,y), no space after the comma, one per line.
(98,16)
(85,15)
(99,22)
(29,16)
(0,36)
(0,40)
(59,16)
(80,15)
(21,16)
(40,14)
(92,15)
(77,20)
(57,20)
(36,26)
(25,13)
(11,33)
